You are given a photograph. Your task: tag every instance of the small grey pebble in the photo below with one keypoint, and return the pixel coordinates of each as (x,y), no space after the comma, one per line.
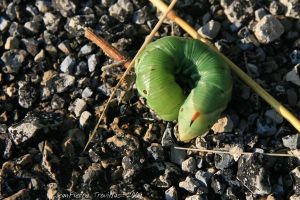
(293,75)
(33,27)
(121,10)
(13,60)
(84,118)
(4,24)
(57,102)
(171,194)
(291,141)
(68,64)
(27,95)
(260,13)
(266,127)
(190,184)
(268,29)
(223,161)
(11,43)
(203,177)
(79,106)
(81,69)
(272,114)
(87,92)
(156,151)
(189,165)
(32,45)
(65,47)
(92,62)
(292,8)
(86,50)
(211,29)
(43,6)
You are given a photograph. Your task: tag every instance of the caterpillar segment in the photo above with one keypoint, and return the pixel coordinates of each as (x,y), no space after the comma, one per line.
(182,79)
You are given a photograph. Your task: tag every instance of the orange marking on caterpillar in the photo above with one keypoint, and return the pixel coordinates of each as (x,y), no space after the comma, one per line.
(195,116)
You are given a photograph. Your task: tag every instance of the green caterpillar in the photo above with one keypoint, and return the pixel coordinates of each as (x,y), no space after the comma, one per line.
(183,79)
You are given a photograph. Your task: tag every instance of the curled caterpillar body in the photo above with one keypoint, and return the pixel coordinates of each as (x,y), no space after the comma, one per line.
(183,79)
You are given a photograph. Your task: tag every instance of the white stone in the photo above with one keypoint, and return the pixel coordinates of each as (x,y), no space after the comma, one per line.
(268,29)
(79,106)
(211,29)
(189,184)
(293,76)
(171,193)
(84,118)
(92,63)
(224,124)
(189,165)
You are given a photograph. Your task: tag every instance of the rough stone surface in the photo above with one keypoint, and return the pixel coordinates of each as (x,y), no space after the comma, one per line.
(4,24)
(171,194)
(194,197)
(291,141)
(33,27)
(238,11)
(268,29)
(266,127)
(259,14)
(57,102)
(189,165)
(276,8)
(295,56)
(65,47)
(84,118)
(50,162)
(223,161)
(253,175)
(292,8)
(293,75)
(60,82)
(224,124)
(85,50)
(190,184)
(156,151)
(66,8)
(51,21)
(79,106)
(87,92)
(92,63)
(67,64)
(43,6)
(217,184)
(27,95)
(13,60)
(211,29)
(31,45)
(272,114)
(203,177)
(11,43)
(121,10)
(295,173)
(93,173)
(140,16)
(33,125)
(177,156)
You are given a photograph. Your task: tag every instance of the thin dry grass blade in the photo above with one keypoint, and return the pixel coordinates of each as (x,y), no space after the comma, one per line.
(228,152)
(147,40)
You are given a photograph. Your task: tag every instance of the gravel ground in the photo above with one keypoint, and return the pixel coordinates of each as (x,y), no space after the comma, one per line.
(53,88)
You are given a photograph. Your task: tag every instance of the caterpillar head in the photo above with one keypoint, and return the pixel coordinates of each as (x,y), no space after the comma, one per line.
(194,122)
(191,123)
